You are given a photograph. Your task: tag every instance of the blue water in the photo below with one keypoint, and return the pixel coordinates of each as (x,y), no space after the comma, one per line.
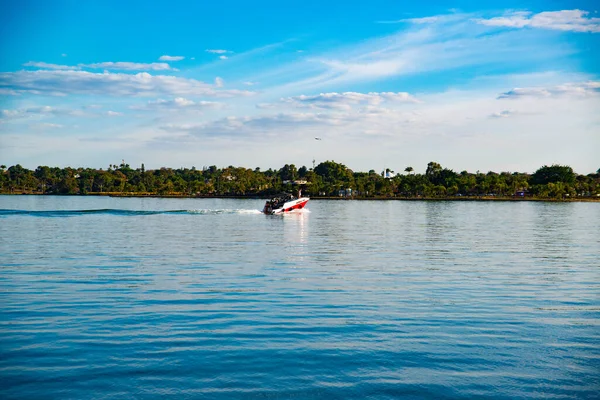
(122,298)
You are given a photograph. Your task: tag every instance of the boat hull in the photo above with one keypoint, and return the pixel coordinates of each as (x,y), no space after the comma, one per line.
(296,204)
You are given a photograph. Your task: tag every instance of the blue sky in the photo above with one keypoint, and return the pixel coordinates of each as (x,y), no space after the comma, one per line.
(484,86)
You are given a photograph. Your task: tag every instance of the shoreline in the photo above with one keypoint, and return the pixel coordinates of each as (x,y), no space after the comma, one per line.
(332,198)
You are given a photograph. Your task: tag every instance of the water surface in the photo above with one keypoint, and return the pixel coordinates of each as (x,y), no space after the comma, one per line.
(114,298)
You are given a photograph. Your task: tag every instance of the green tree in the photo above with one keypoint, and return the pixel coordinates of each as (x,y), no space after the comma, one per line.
(335,176)
(288,172)
(433,170)
(554,173)
(167,188)
(46,177)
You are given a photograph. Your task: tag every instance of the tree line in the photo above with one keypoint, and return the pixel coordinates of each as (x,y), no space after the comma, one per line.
(327,179)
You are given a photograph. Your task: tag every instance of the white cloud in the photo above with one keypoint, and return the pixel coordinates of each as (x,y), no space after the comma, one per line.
(114,113)
(522,92)
(63,55)
(355,117)
(240,127)
(453,16)
(218,51)
(171,58)
(109,84)
(461,129)
(219,82)
(223,57)
(121,66)
(577,89)
(52,111)
(249,83)
(45,125)
(502,114)
(265,106)
(49,66)
(129,66)
(40,110)
(372,69)
(296,129)
(10,113)
(565,20)
(423,20)
(37,112)
(8,92)
(348,99)
(178,103)
(428,45)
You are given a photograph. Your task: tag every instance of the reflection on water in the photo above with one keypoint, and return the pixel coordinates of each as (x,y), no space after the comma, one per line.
(295,228)
(352,299)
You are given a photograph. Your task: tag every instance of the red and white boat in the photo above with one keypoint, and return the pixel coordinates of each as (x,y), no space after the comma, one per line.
(284,203)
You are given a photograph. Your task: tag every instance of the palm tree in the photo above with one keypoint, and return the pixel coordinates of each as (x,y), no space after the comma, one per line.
(408,169)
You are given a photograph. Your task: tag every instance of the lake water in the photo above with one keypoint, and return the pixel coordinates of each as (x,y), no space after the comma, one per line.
(117,298)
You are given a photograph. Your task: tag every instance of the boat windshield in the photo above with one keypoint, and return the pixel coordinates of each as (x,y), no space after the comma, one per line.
(280,199)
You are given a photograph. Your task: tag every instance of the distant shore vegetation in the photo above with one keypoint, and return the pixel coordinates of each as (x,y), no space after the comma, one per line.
(327,179)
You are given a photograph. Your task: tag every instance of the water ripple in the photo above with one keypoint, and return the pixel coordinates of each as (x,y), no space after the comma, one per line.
(138,298)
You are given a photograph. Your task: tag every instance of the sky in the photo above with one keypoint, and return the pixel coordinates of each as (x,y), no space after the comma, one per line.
(472,85)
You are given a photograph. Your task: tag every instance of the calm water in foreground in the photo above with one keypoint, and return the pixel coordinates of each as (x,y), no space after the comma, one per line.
(190,298)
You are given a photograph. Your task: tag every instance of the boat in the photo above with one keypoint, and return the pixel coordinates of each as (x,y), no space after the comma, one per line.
(283,203)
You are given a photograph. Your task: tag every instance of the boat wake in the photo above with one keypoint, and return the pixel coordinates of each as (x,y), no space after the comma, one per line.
(300,211)
(120,212)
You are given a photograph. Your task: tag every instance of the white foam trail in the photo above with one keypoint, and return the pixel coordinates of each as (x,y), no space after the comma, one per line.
(224,211)
(249,211)
(296,212)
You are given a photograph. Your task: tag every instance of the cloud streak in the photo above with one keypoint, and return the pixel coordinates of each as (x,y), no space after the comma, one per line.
(502,114)
(128,66)
(109,65)
(46,125)
(348,99)
(61,83)
(42,111)
(577,89)
(565,20)
(383,114)
(243,127)
(218,51)
(427,45)
(44,65)
(171,58)
(178,103)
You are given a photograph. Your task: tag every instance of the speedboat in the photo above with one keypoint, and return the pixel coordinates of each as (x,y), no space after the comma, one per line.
(283,203)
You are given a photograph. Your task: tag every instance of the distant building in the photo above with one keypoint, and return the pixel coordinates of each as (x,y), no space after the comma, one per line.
(345,192)
(521,193)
